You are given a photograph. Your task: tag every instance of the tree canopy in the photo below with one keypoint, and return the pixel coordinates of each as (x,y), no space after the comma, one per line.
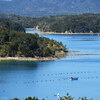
(84,23)
(67,97)
(15,42)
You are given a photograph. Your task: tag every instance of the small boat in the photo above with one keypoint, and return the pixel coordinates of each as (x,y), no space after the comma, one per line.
(73,78)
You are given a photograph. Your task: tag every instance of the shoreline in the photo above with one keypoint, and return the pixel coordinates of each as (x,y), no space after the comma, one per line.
(69,33)
(36,59)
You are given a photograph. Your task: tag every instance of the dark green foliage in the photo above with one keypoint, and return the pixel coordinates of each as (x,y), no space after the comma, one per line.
(84,23)
(71,23)
(68,97)
(6,24)
(30,98)
(19,44)
(16,99)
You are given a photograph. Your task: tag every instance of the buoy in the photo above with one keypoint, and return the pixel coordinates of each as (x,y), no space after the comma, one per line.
(57,94)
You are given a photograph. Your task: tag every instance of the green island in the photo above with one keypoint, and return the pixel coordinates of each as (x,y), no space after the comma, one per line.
(72,24)
(15,44)
(67,97)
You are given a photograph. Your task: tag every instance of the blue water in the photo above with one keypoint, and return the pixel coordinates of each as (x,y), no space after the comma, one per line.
(46,79)
(32,32)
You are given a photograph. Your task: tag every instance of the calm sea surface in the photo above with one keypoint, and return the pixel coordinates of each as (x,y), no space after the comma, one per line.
(46,79)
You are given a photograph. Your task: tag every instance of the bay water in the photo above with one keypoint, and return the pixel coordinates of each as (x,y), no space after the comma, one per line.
(46,79)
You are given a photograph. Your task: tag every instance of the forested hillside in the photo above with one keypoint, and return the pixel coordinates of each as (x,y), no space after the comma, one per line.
(84,23)
(10,25)
(14,42)
(49,7)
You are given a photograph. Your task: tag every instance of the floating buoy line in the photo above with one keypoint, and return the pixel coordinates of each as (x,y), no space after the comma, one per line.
(84,72)
(63,79)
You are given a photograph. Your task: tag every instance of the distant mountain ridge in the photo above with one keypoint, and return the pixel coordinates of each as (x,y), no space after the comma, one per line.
(49,7)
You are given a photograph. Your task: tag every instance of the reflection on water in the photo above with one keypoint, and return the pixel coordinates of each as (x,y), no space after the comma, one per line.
(46,79)
(19,65)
